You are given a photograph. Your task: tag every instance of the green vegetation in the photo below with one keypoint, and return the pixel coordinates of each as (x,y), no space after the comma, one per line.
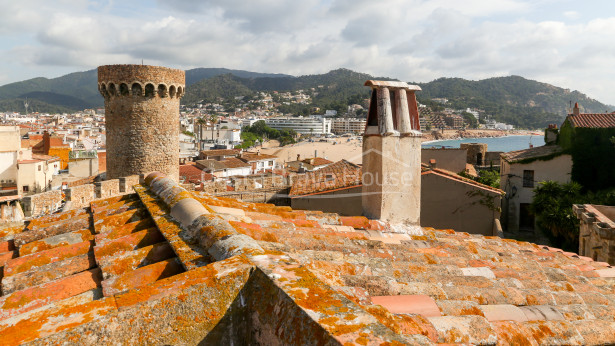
(487,177)
(593,155)
(513,100)
(259,131)
(470,119)
(552,206)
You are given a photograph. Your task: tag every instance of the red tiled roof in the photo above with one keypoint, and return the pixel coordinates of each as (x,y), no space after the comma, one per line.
(455,176)
(339,175)
(45,157)
(317,161)
(126,271)
(531,153)
(251,157)
(219,152)
(592,120)
(233,162)
(194,175)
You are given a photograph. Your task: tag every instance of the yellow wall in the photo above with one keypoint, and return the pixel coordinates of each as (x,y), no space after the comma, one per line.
(62,153)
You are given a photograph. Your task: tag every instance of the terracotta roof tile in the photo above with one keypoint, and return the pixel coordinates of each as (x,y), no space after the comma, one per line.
(341,174)
(531,153)
(322,273)
(592,120)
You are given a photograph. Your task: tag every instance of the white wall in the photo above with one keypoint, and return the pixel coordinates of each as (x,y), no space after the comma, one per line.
(511,181)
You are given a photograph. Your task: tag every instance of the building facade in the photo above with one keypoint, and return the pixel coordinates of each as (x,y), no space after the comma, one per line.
(301,125)
(520,173)
(348,125)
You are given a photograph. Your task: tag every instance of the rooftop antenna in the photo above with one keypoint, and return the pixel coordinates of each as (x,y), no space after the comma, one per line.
(26,104)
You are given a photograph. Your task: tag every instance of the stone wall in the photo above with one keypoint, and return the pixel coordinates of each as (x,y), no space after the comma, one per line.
(596,232)
(80,196)
(126,183)
(42,203)
(107,188)
(214,187)
(476,152)
(142,118)
(259,182)
(492,158)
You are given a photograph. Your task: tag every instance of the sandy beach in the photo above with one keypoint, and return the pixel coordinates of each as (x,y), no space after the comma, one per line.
(351,149)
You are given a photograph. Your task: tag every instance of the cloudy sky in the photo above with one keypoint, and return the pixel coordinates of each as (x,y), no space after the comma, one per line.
(563,42)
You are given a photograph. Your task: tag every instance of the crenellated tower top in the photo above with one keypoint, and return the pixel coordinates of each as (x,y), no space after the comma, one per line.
(140,81)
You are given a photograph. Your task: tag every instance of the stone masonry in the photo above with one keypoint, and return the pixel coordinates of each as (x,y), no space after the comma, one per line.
(142,118)
(596,231)
(107,188)
(42,203)
(80,196)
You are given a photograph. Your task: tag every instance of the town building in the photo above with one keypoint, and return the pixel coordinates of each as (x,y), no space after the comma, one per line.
(307,165)
(588,137)
(224,168)
(9,155)
(454,121)
(259,163)
(341,126)
(520,173)
(36,172)
(301,125)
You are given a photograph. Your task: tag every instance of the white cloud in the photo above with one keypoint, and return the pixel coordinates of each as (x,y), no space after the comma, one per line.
(412,40)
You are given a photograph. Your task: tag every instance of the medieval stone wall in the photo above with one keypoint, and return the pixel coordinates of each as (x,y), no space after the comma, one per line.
(596,232)
(107,188)
(42,203)
(80,196)
(476,152)
(126,183)
(142,118)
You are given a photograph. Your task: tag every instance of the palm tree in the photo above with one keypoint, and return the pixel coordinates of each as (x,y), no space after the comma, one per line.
(200,122)
(213,119)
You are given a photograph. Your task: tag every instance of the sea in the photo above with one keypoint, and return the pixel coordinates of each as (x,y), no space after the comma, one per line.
(505,144)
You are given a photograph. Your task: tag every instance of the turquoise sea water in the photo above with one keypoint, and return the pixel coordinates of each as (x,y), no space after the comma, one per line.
(505,144)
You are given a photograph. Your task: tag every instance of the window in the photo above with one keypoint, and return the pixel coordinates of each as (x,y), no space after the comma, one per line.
(26,188)
(39,168)
(528,178)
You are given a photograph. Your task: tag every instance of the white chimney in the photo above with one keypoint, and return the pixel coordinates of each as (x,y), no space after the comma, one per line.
(392,154)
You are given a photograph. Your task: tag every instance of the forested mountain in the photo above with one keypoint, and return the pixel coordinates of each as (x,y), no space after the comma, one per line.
(514,100)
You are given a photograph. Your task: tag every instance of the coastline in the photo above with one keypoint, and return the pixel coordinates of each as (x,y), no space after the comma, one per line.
(436,136)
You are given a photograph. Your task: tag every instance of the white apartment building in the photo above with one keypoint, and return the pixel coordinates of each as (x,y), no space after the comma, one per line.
(10,145)
(348,125)
(302,125)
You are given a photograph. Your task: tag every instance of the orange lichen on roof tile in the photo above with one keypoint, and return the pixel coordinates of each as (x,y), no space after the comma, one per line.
(38,259)
(55,320)
(358,222)
(56,241)
(141,276)
(37,296)
(128,243)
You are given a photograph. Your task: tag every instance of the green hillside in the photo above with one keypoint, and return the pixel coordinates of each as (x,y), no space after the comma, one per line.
(514,100)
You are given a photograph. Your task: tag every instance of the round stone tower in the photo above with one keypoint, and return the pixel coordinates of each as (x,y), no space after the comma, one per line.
(141,118)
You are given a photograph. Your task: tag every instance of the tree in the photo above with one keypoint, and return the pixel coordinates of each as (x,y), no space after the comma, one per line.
(552,206)
(489,177)
(213,119)
(200,121)
(470,119)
